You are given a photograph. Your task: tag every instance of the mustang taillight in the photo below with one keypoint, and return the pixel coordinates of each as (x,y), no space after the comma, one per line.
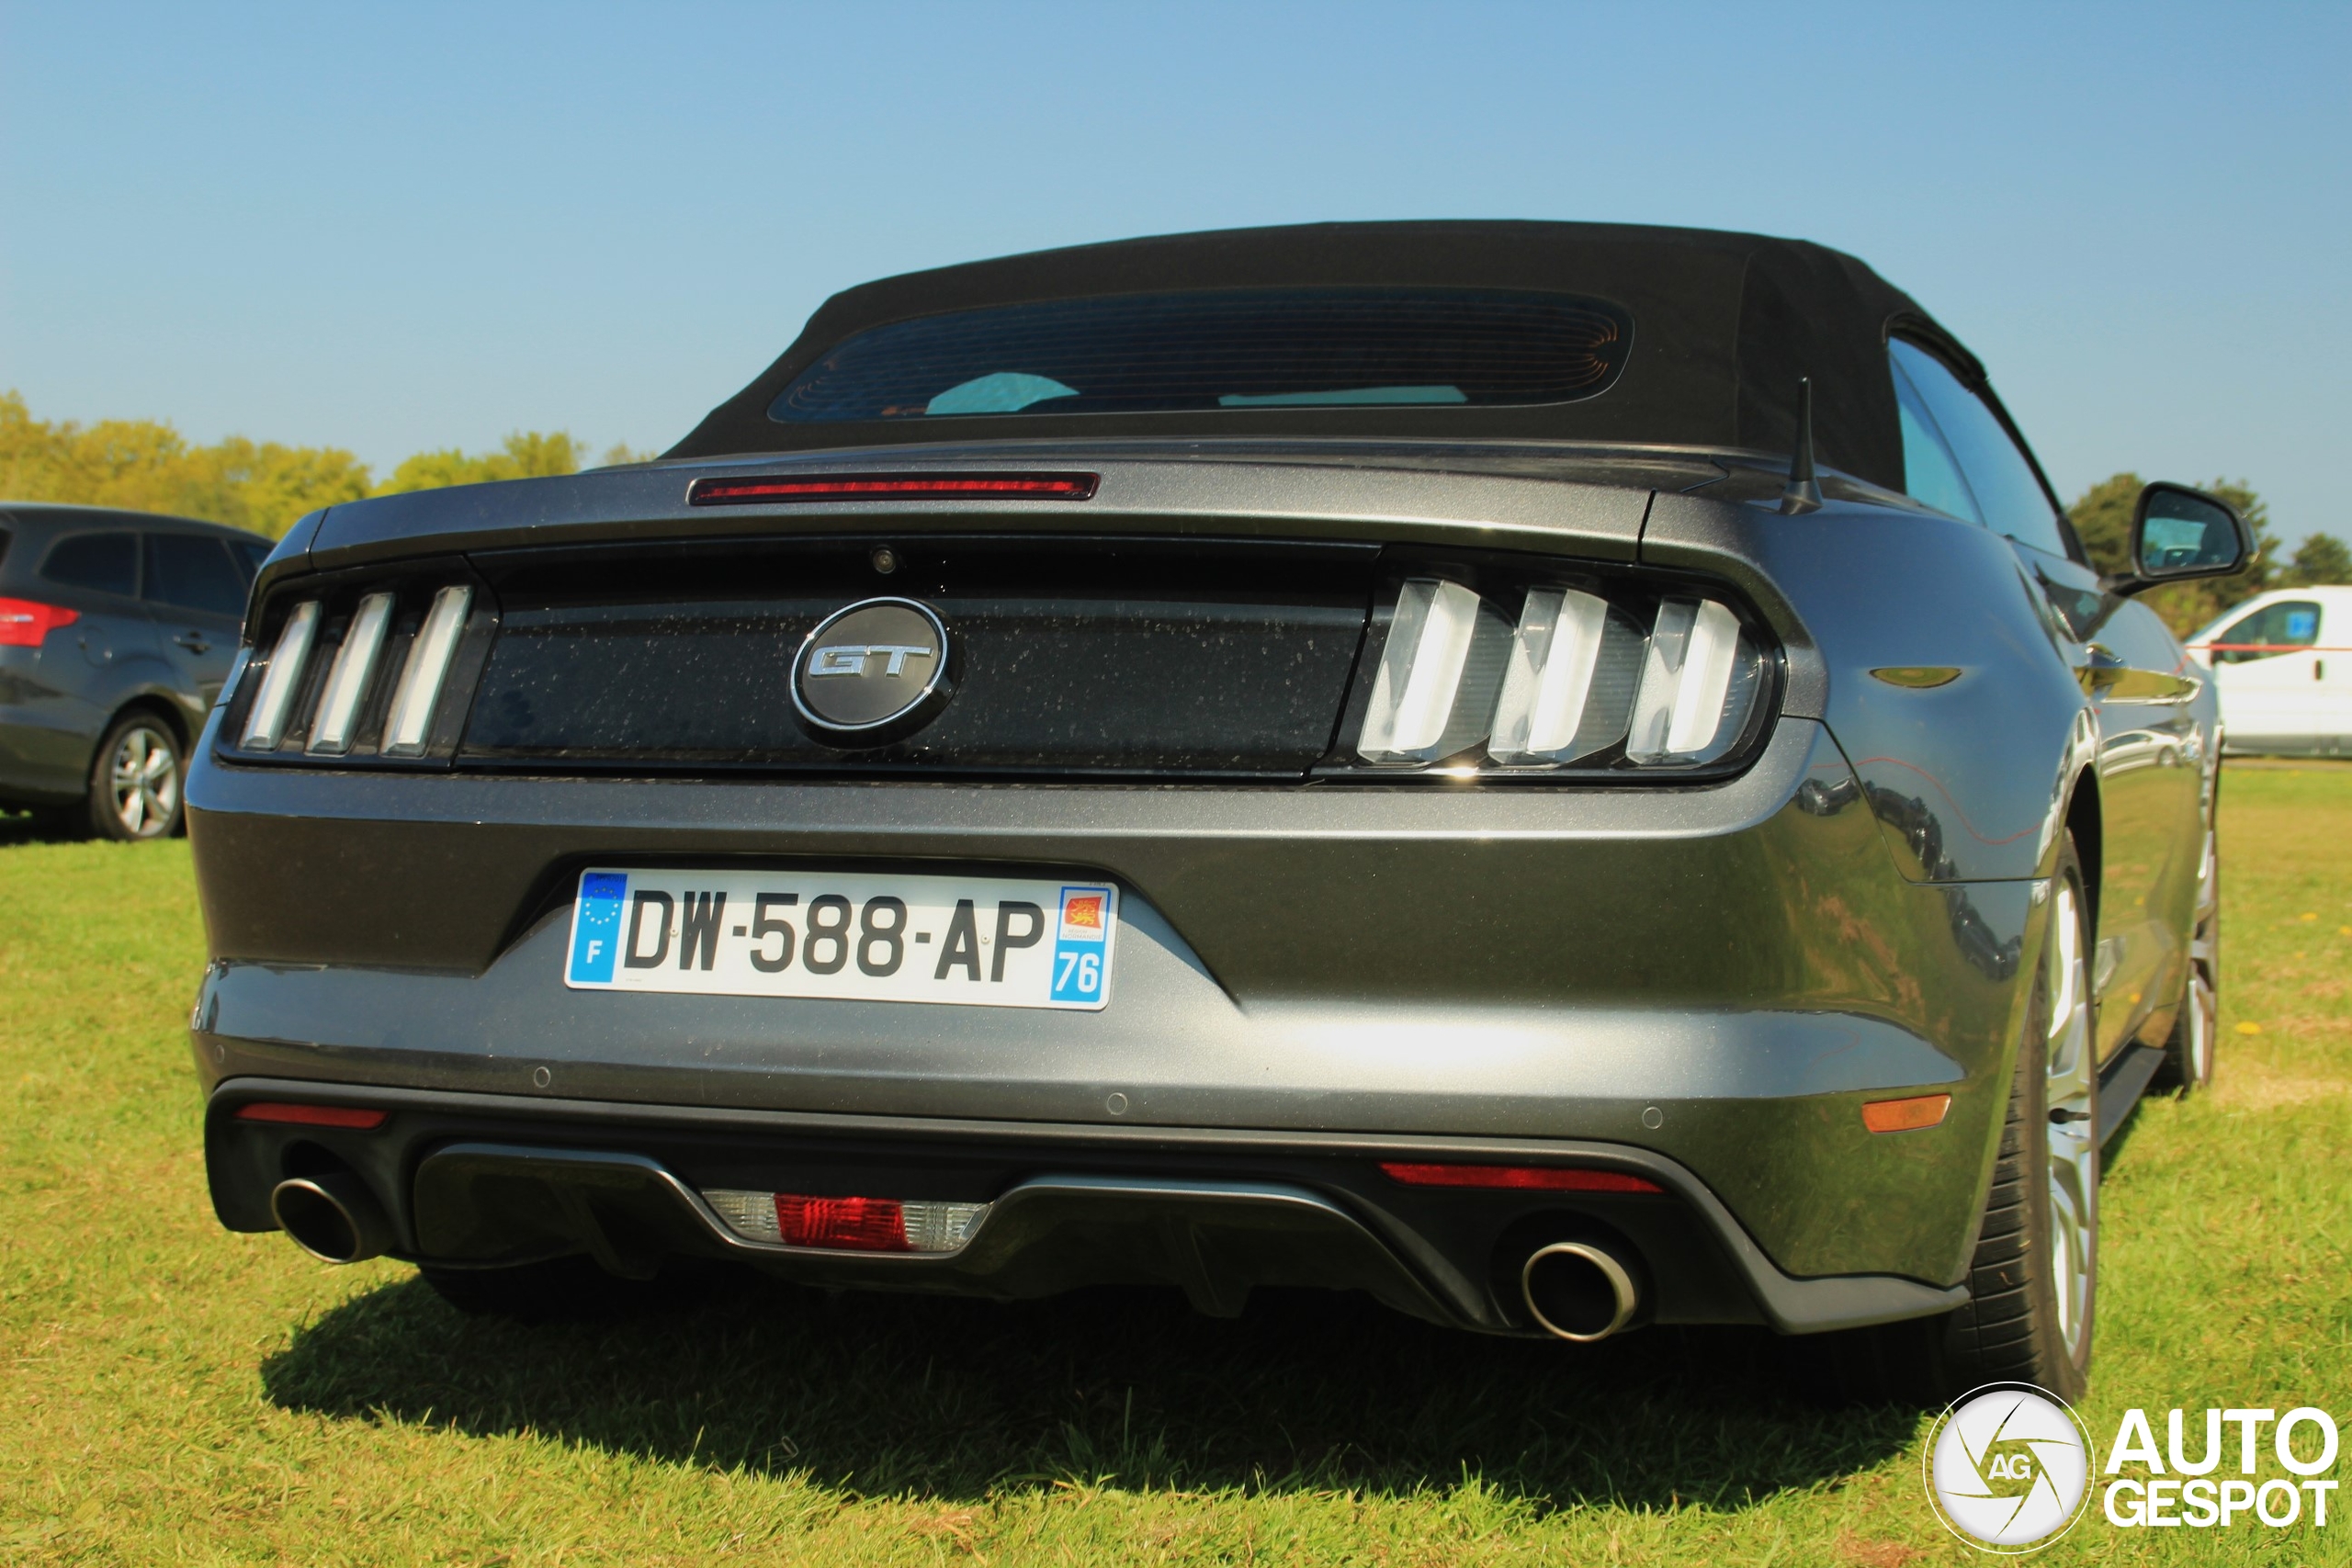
(347,676)
(763,489)
(1513,676)
(846,1225)
(25,622)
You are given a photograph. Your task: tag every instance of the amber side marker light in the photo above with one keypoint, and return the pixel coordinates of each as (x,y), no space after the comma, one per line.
(311,1115)
(763,490)
(1905,1115)
(1523,1178)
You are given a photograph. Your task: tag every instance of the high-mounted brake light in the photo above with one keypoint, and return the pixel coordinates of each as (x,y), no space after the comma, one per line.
(847,1224)
(266,720)
(1519,1177)
(277,1110)
(759,492)
(25,622)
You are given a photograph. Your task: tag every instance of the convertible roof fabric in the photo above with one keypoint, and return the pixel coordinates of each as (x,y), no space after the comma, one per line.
(1723,325)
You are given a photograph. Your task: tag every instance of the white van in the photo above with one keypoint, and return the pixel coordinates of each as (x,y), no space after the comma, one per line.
(2283,662)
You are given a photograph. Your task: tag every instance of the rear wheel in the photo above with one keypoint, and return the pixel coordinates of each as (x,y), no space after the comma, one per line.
(2189,1055)
(2033,1285)
(135,781)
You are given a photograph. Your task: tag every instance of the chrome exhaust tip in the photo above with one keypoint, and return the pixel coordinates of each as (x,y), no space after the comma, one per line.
(333,1217)
(1577,1291)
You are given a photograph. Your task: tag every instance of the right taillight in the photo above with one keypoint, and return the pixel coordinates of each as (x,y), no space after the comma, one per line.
(1492,674)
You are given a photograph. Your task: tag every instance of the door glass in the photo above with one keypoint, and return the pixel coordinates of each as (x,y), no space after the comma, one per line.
(108,562)
(2010,498)
(2273,629)
(1929,474)
(194,573)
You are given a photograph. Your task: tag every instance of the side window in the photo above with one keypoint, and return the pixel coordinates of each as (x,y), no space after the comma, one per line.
(194,573)
(108,562)
(2274,629)
(1929,473)
(250,557)
(2008,496)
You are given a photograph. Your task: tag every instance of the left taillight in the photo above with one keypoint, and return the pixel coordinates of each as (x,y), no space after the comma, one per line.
(25,622)
(371,673)
(1499,673)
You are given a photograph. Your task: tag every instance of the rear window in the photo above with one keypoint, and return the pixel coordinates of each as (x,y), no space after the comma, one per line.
(1222,349)
(108,562)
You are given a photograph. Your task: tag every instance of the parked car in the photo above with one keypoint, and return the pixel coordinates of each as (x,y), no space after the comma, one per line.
(2283,664)
(1565,776)
(117,631)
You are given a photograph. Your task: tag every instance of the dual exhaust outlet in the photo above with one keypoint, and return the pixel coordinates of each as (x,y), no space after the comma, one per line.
(1573,1290)
(1577,1291)
(332,1216)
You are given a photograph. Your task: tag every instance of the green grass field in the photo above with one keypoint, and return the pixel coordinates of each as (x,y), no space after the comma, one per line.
(176,1394)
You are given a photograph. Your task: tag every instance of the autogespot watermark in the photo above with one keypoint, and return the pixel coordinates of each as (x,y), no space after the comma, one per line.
(2175,1489)
(2010,1468)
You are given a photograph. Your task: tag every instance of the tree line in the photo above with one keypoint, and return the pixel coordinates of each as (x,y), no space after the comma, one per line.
(147,465)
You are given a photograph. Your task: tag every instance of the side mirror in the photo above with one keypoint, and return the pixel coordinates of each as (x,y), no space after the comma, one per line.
(2179,533)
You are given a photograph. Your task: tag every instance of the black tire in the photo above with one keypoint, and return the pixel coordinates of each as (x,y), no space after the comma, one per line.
(2197,1027)
(2014,1327)
(135,781)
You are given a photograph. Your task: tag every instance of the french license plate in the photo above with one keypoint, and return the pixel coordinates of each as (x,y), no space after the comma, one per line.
(980,942)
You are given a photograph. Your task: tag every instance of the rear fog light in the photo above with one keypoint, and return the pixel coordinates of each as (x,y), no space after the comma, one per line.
(1520,1177)
(847,1224)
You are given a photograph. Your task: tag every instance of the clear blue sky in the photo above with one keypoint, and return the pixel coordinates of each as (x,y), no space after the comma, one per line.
(390,228)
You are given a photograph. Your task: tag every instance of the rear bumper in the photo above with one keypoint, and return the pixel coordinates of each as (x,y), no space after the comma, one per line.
(486,1181)
(1716,976)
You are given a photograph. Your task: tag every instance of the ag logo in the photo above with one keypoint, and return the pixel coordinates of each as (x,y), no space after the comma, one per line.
(2008,1467)
(873,673)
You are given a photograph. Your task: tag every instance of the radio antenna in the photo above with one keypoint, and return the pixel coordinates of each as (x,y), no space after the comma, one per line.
(1802,493)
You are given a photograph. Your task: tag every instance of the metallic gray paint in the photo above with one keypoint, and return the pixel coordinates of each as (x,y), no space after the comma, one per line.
(1748,960)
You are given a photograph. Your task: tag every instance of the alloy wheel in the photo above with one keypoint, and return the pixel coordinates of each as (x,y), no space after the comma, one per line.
(143,780)
(2071,1099)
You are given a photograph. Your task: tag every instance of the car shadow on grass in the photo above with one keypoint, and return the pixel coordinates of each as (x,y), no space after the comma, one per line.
(956,1399)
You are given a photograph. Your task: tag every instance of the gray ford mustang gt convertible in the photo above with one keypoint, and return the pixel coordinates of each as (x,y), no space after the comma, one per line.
(1566,776)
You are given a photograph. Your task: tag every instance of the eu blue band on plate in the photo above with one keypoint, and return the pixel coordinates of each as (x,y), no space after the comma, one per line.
(596,927)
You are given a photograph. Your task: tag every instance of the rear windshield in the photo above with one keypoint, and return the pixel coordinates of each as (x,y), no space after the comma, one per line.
(1222,349)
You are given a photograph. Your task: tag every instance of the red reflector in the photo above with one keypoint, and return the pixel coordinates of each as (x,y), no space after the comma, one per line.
(23,622)
(856,1224)
(890,487)
(1905,1115)
(311,1115)
(1535,1177)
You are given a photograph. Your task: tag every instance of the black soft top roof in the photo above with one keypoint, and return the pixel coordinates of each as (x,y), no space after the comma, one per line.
(1723,325)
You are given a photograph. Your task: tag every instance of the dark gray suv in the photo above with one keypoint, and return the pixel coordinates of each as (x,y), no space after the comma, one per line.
(117,631)
(1564,776)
